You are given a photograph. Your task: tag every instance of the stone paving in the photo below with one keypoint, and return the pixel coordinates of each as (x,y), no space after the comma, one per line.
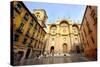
(54,60)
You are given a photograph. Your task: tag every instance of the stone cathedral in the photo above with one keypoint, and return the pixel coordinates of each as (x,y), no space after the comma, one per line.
(63,37)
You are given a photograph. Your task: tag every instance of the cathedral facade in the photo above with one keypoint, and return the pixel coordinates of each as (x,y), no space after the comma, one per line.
(63,37)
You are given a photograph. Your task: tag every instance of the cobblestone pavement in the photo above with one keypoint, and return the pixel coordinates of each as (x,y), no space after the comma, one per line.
(54,60)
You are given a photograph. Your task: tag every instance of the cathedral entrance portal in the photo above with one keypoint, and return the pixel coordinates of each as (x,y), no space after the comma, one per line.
(52,50)
(64,48)
(77,49)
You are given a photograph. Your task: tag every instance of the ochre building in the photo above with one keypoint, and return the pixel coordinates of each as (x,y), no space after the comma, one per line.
(27,32)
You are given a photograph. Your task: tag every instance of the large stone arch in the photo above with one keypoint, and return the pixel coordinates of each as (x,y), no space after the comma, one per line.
(64,21)
(53,29)
(75,25)
(52,50)
(64,27)
(65,47)
(53,25)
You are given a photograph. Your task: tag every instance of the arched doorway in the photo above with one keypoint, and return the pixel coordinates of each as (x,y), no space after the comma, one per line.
(77,49)
(64,48)
(20,54)
(52,50)
(28,53)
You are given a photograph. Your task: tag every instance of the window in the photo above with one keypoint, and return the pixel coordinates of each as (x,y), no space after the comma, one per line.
(14,14)
(38,45)
(30,26)
(89,7)
(89,30)
(84,32)
(64,28)
(87,43)
(34,23)
(52,39)
(18,8)
(53,29)
(16,36)
(30,42)
(82,37)
(31,23)
(75,29)
(27,33)
(92,39)
(20,29)
(93,15)
(25,41)
(35,44)
(36,26)
(37,14)
(26,17)
(33,35)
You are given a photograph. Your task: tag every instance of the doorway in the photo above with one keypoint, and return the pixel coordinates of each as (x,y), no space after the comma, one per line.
(77,49)
(64,48)
(28,53)
(52,50)
(19,56)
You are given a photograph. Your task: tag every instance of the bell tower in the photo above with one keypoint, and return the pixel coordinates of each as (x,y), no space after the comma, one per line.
(41,16)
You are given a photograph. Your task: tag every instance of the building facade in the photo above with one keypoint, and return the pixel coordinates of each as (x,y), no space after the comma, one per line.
(88,32)
(28,34)
(63,37)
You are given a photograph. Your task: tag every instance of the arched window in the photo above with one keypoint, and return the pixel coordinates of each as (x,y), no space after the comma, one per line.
(76,39)
(75,29)
(37,14)
(64,27)
(53,29)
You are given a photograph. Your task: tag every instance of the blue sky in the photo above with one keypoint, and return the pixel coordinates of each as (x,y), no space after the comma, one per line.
(55,11)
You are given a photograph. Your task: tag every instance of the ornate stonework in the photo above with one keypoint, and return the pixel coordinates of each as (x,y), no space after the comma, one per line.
(41,16)
(62,37)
